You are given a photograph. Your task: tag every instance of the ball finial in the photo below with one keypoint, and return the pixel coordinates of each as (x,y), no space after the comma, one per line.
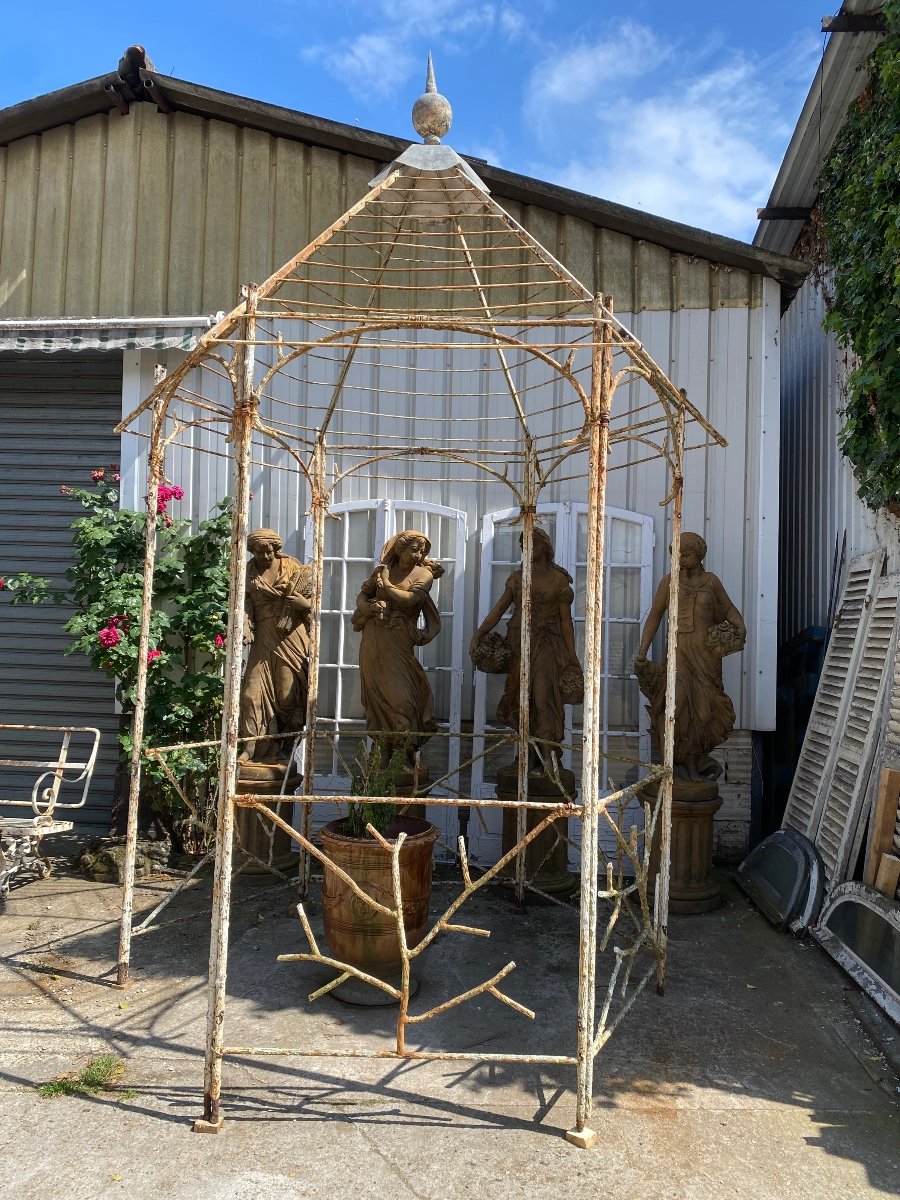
(431,114)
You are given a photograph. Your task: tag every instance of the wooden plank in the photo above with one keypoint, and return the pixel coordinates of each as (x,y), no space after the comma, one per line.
(616,268)
(291,200)
(888,876)
(188,213)
(220,277)
(52,218)
(17,245)
(255,262)
(120,197)
(154,203)
(85,233)
(884,817)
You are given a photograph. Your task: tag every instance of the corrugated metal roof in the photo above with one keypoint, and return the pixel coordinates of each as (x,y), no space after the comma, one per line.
(839,80)
(90,97)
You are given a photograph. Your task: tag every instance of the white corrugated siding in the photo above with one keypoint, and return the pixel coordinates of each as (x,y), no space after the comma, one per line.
(727,358)
(818,490)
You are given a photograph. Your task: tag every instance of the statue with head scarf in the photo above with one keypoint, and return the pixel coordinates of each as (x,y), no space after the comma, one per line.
(395,614)
(709,627)
(556,675)
(277,617)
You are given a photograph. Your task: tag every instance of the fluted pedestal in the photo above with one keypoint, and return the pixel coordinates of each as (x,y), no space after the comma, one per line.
(546,859)
(251,832)
(693,887)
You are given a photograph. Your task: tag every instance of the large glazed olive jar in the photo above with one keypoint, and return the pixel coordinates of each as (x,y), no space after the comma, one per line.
(356,933)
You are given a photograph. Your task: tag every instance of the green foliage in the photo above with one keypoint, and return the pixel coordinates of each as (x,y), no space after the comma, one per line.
(375,773)
(187,627)
(99,1075)
(860,211)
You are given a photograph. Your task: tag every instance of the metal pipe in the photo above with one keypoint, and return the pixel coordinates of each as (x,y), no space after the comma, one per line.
(154,476)
(601,383)
(665,808)
(242,433)
(319,504)
(528,511)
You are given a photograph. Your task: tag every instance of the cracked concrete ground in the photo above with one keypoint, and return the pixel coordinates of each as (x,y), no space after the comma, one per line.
(752,1076)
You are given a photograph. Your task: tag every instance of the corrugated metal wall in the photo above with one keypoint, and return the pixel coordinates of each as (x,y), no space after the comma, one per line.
(818,491)
(728,360)
(56,426)
(151,214)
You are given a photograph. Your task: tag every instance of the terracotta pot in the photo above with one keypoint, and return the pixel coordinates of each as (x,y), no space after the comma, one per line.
(356,933)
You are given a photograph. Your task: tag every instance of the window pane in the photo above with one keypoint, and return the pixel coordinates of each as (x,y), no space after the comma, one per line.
(621,647)
(357,574)
(625,541)
(625,592)
(506,544)
(361,534)
(622,704)
(580,589)
(329,626)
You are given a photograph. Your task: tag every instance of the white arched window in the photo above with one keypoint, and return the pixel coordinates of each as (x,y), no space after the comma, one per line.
(629,593)
(354,535)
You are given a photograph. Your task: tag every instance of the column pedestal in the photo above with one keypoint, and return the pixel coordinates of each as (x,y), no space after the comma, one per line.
(693,887)
(251,831)
(554,876)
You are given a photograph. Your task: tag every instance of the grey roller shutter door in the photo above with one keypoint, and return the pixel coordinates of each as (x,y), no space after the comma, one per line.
(56,425)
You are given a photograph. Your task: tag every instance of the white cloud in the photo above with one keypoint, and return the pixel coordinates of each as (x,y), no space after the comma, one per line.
(378,61)
(691,135)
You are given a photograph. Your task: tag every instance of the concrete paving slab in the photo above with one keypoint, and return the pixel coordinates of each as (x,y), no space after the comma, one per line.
(752,1076)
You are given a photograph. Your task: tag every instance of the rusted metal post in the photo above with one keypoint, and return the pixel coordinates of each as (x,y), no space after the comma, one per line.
(601,390)
(154,476)
(529,492)
(664,818)
(242,422)
(319,504)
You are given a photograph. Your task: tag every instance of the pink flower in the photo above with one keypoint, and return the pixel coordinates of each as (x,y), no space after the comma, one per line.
(109,637)
(2,583)
(63,490)
(117,477)
(151,654)
(114,466)
(165,493)
(99,475)
(218,641)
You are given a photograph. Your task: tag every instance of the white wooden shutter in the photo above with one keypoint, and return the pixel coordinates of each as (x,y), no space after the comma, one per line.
(837,836)
(805,803)
(887,757)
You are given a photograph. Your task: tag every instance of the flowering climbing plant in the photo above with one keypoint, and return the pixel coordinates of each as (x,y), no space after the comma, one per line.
(187,626)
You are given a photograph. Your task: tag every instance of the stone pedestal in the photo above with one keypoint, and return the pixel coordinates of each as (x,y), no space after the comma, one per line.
(251,831)
(693,888)
(554,876)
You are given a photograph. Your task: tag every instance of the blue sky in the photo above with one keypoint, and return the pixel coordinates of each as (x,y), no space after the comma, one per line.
(682,109)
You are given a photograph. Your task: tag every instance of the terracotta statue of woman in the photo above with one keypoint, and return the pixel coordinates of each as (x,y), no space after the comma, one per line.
(553,657)
(276,628)
(396,694)
(709,626)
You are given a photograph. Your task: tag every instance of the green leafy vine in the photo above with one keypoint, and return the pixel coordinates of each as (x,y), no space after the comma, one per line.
(859,216)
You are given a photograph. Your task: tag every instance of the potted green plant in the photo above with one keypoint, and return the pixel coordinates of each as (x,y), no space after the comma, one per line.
(357,933)
(187,638)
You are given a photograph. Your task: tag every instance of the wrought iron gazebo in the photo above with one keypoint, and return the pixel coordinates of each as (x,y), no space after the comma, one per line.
(358,359)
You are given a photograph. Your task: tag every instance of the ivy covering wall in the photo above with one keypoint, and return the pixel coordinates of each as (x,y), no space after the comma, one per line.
(860,221)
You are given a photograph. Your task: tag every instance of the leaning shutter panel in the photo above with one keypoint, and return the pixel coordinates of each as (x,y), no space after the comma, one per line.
(884,832)
(836,836)
(805,802)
